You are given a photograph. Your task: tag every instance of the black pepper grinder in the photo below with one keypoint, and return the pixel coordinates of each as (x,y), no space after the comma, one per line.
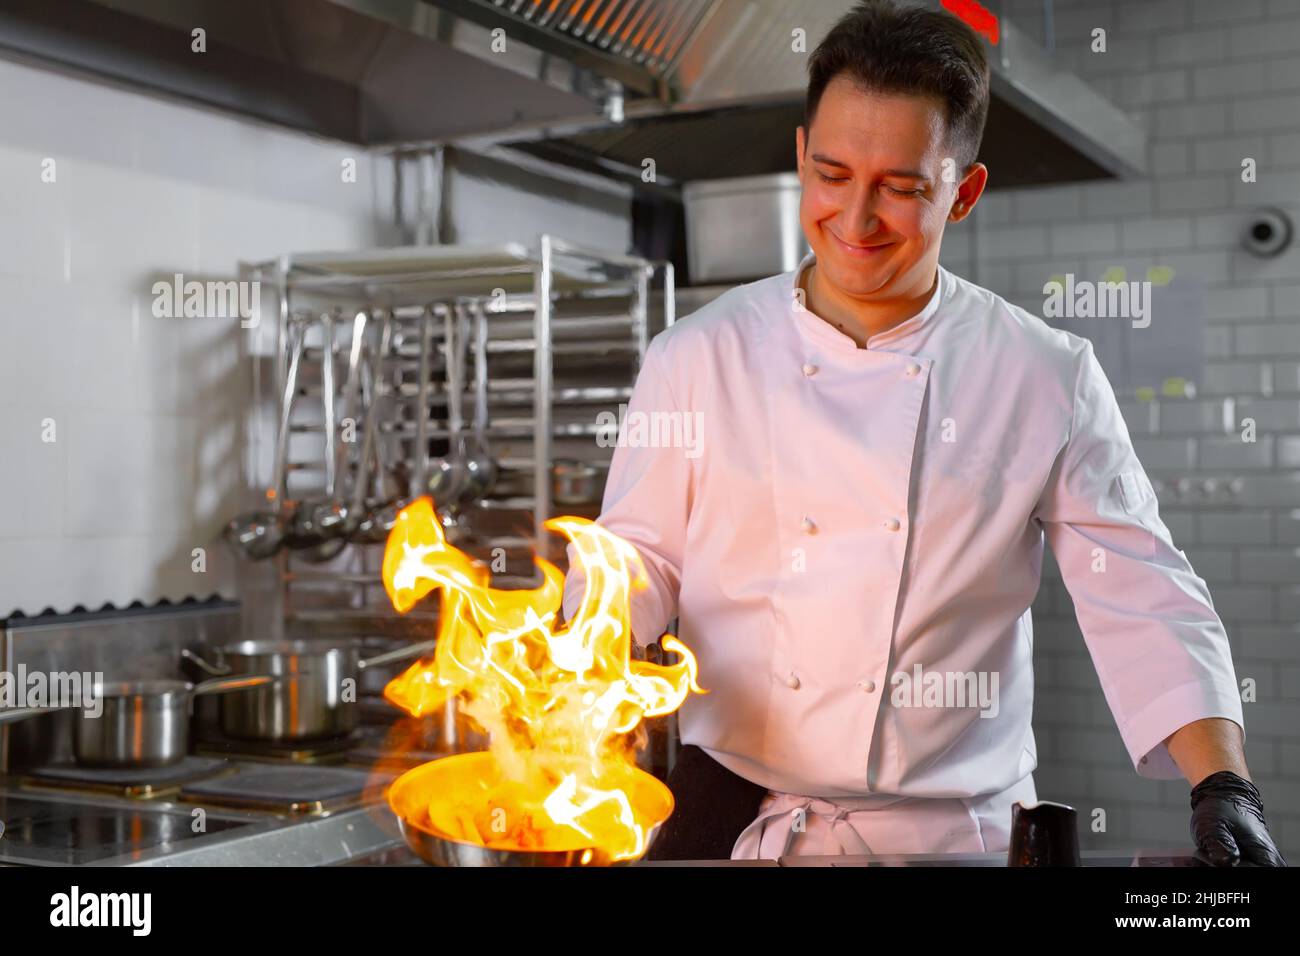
(1043,834)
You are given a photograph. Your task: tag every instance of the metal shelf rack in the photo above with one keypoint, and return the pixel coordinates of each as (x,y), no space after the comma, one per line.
(565,330)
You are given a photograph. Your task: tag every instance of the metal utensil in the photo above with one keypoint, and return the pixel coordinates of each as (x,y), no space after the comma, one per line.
(378,514)
(260,534)
(480,467)
(383,508)
(444,477)
(315,519)
(302,531)
(342,515)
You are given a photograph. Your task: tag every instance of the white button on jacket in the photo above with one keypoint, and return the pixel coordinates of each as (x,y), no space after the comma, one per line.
(935,461)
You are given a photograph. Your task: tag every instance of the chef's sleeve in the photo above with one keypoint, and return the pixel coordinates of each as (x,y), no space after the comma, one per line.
(1159,648)
(646,503)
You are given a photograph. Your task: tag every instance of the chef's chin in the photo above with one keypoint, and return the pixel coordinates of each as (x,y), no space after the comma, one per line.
(855,278)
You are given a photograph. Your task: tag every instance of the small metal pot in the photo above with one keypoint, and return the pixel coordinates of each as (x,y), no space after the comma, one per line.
(308,701)
(144,723)
(576,482)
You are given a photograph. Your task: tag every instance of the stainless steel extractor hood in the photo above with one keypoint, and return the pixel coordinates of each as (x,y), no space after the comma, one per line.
(736,95)
(708,88)
(363,71)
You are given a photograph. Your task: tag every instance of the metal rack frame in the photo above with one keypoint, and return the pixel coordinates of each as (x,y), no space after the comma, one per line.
(400,284)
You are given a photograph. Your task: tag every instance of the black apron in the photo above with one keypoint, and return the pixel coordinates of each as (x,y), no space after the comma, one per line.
(713,807)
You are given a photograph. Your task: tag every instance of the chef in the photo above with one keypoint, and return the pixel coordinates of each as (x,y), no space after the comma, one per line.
(853,537)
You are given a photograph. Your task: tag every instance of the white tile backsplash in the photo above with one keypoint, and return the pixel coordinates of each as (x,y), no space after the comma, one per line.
(157,418)
(149,412)
(1238,514)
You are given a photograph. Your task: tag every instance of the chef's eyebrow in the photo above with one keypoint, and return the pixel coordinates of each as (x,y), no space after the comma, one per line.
(897,173)
(819,158)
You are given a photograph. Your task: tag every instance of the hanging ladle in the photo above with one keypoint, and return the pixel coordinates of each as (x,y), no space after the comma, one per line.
(260,534)
(307,531)
(444,478)
(377,515)
(481,467)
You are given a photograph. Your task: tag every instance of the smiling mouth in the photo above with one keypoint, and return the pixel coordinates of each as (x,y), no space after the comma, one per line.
(858,250)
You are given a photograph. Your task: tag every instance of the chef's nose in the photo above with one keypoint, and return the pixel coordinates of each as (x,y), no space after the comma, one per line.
(861,212)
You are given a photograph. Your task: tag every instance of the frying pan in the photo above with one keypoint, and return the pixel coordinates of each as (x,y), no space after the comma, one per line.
(465,774)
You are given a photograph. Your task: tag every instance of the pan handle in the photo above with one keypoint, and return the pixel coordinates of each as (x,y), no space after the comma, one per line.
(224,685)
(212,670)
(401,654)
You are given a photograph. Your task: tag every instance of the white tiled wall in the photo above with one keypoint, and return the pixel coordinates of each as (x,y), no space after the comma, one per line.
(148,413)
(155,431)
(1212,82)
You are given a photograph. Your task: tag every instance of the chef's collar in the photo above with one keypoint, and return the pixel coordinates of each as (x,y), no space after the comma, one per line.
(832,336)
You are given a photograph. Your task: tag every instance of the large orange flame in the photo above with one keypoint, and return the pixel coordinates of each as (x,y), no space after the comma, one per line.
(560,703)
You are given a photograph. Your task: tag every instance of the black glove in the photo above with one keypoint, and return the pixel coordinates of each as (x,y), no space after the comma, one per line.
(1228,823)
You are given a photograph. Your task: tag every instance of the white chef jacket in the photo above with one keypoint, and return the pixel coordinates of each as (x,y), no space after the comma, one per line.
(852,513)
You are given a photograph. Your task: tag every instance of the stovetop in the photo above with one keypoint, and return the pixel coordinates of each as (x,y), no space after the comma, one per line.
(256,805)
(68,815)
(54,830)
(141,782)
(288,788)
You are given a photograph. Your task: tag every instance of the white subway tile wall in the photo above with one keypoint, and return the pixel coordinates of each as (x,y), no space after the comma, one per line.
(151,418)
(153,421)
(1213,83)
(122,434)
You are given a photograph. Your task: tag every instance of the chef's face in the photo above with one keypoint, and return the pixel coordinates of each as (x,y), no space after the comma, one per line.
(874,199)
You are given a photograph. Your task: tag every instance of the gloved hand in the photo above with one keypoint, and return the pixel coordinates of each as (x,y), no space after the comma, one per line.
(1228,823)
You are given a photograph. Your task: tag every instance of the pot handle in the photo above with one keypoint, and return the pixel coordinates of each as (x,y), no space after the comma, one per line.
(212,670)
(224,685)
(401,654)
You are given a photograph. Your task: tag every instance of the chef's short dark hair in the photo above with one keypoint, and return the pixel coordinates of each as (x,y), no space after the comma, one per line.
(887,48)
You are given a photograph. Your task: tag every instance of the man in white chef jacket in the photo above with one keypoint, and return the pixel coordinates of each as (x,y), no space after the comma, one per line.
(848,523)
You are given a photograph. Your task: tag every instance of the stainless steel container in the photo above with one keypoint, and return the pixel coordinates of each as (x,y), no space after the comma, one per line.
(312,700)
(743,228)
(144,723)
(576,482)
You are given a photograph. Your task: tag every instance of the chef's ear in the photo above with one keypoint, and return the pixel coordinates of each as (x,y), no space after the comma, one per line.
(969,191)
(800,144)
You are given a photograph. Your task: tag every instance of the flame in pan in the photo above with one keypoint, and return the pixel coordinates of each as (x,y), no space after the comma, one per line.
(561,704)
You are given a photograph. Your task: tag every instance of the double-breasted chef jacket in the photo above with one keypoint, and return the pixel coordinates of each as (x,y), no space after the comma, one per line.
(848,515)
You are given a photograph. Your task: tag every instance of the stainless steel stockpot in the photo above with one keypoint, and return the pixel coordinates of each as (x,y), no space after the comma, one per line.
(308,700)
(141,723)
